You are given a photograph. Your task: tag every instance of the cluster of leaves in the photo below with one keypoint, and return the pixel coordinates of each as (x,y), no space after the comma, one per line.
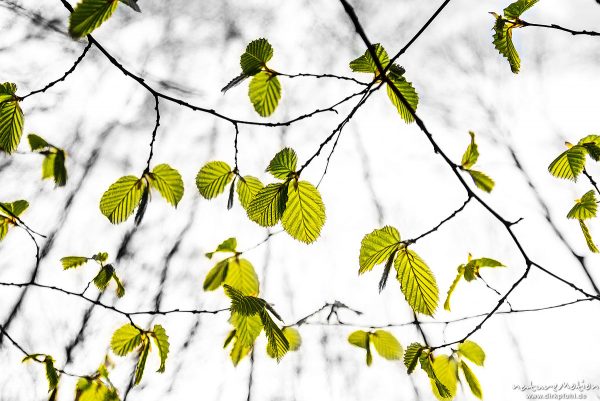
(470,272)
(130,338)
(9,213)
(105,274)
(97,387)
(11,118)
(569,165)
(297,204)
(233,271)
(129,192)
(417,281)
(249,316)
(443,370)
(90,14)
(470,157)
(503,31)
(264,90)
(53,165)
(386,345)
(395,75)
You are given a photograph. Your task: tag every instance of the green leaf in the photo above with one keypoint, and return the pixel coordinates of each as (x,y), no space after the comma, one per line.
(471,154)
(472,267)
(121,198)
(12,209)
(591,143)
(472,351)
(304,214)
(161,339)
(141,364)
(239,351)
(11,123)
(257,53)
(69,262)
(359,338)
(277,343)
(408,92)
(269,204)
(426,364)
(293,337)
(411,356)
(377,246)
(120,289)
(51,373)
(569,164)
(229,245)
(588,237)
(504,44)
(386,345)
(264,92)
(7,91)
(283,164)
(417,282)
(103,277)
(461,270)
(446,371)
(585,208)
(241,276)
(216,276)
(365,63)
(89,15)
(472,380)
(37,142)
(248,328)
(212,179)
(247,188)
(514,10)
(4,222)
(100,257)
(133,4)
(60,172)
(168,182)
(481,180)
(243,304)
(125,339)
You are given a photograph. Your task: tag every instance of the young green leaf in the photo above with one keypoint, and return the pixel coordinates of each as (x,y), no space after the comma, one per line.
(247,188)
(472,380)
(159,335)
(461,270)
(503,42)
(362,339)
(293,337)
(472,351)
(239,351)
(248,328)
(446,372)
(242,276)
(229,245)
(212,179)
(59,169)
(584,208)
(168,182)
(264,92)
(440,390)
(514,10)
(103,277)
(126,339)
(377,246)
(471,154)
(481,180)
(588,237)
(141,364)
(121,198)
(216,276)
(89,15)
(257,53)
(269,204)
(283,164)
(51,373)
(365,63)
(417,282)
(11,118)
(569,164)
(69,262)
(386,345)
(304,214)
(100,257)
(411,356)
(243,304)
(471,271)
(591,143)
(277,343)
(16,208)
(408,92)
(120,289)
(36,142)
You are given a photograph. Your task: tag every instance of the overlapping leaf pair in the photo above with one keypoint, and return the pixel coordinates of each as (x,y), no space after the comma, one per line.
(386,345)
(264,90)
(129,192)
(470,157)
(395,74)
(9,214)
(97,387)
(53,165)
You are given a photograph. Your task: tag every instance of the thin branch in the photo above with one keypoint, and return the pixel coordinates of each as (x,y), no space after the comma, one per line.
(591,179)
(154,132)
(318,76)
(558,27)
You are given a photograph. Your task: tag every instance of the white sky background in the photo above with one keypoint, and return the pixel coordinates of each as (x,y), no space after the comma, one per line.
(463,83)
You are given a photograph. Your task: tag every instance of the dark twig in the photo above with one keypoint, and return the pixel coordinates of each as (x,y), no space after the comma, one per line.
(557,27)
(154,132)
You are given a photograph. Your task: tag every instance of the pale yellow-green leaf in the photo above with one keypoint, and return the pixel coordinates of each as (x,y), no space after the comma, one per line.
(89,15)
(141,364)
(446,371)
(459,275)
(269,204)
(481,180)
(472,380)
(377,246)
(11,125)
(588,237)
(569,164)
(304,214)
(471,154)
(283,164)
(408,92)
(386,345)
(216,276)
(264,92)
(162,343)
(69,262)
(125,339)
(417,282)
(212,179)
(247,328)
(504,44)
(168,182)
(358,338)
(411,356)
(365,63)
(584,208)
(247,189)
(277,343)
(121,198)
(472,351)
(242,276)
